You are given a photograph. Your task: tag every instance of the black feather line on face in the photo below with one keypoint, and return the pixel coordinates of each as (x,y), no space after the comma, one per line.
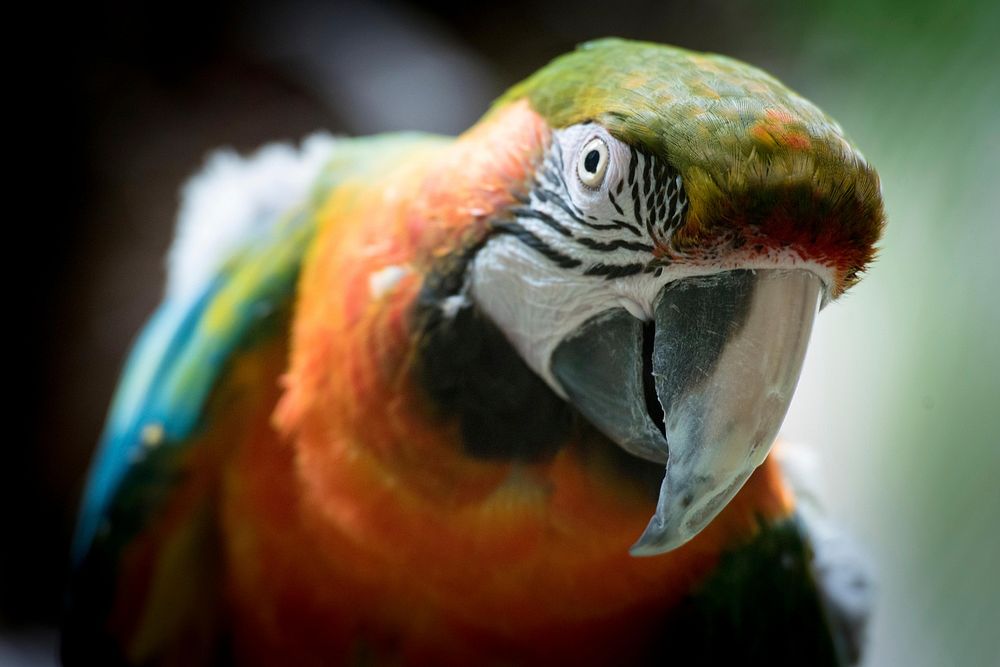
(611,271)
(647,184)
(608,246)
(611,198)
(656,211)
(545,218)
(637,205)
(535,243)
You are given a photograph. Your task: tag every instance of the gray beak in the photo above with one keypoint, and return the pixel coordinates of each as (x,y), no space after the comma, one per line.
(703,388)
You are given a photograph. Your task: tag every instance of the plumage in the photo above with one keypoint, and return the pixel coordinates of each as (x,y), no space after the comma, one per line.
(753,154)
(346,444)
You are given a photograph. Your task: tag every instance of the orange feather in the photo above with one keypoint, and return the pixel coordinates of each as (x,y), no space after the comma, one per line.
(355,525)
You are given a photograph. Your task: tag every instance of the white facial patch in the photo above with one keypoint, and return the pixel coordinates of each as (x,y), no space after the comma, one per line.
(582,245)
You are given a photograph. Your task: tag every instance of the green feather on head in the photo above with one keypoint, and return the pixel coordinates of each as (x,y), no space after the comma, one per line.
(752,153)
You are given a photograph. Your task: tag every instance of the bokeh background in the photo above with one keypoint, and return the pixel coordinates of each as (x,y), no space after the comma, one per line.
(899,402)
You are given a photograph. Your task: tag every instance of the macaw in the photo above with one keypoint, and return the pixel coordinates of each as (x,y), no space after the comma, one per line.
(413,399)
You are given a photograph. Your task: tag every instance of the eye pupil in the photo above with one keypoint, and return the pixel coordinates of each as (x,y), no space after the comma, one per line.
(591,161)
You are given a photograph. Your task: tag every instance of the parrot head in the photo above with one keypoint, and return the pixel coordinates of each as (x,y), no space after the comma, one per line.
(685,218)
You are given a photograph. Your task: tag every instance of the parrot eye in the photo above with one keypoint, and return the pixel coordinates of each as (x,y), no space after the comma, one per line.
(593,162)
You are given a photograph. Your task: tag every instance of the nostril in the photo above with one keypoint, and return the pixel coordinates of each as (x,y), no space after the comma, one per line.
(653,407)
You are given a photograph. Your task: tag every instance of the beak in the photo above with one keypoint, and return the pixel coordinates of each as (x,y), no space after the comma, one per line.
(703,388)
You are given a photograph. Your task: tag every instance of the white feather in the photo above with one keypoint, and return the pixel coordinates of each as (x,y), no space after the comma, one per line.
(234,199)
(843,569)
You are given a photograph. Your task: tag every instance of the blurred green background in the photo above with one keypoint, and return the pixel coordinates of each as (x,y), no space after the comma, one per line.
(900,397)
(901,391)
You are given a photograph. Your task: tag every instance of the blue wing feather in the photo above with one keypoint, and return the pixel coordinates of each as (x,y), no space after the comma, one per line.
(160,407)
(144,399)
